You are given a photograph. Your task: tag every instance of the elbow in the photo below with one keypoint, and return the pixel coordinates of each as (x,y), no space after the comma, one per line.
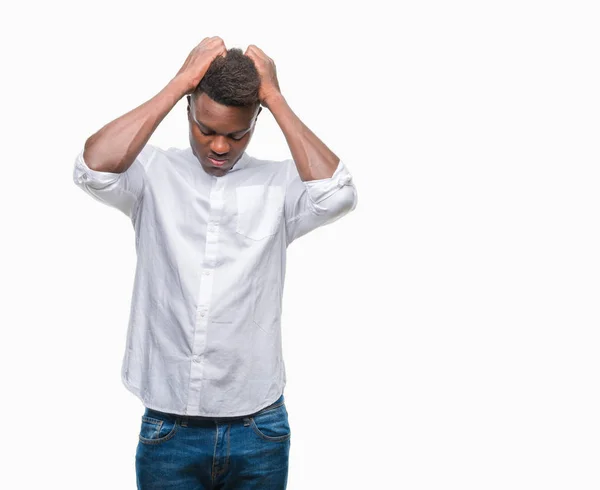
(338,204)
(96,160)
(347,199)
(88,154)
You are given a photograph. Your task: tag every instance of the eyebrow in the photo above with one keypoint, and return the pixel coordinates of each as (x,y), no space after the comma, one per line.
(205,127)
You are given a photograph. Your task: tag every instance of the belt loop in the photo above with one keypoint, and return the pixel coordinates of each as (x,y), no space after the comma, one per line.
(184,421)
(246,421)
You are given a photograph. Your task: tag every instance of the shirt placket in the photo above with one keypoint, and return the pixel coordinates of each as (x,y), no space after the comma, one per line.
(216,202)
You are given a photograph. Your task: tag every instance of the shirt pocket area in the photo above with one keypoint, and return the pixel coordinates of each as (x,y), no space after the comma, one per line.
(259,210)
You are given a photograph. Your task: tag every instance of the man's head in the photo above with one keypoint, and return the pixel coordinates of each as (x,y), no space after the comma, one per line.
(222,111)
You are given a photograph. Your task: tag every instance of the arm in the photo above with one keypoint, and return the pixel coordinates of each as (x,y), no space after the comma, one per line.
(313,159)
(115,147)
(319,187)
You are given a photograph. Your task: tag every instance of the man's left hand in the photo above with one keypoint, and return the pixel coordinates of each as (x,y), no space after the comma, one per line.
(269,86)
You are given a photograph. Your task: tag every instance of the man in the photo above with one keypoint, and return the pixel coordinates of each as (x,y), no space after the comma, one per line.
(212,225)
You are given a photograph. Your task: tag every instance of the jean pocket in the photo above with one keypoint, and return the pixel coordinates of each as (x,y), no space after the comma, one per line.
(155,430)
(272,425)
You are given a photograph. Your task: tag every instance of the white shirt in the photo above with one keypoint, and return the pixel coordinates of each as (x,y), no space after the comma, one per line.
(204,335)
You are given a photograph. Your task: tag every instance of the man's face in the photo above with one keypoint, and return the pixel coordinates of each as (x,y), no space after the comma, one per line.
(219,134)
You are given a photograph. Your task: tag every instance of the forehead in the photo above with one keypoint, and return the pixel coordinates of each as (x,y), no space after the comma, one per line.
(220,117)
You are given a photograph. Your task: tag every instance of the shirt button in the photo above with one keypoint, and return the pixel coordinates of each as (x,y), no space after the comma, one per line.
(197,359)
(203,313)
(84,177)
(207,273)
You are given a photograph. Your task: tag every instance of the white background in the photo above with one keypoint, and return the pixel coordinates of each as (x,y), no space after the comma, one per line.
(443,335)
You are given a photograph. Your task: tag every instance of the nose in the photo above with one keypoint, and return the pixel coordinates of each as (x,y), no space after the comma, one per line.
(219,145)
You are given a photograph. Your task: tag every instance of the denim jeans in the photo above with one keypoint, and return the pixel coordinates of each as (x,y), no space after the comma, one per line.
(178,452)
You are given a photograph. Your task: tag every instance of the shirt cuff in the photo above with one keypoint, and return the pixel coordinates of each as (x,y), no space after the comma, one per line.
(321,189)
(85,175)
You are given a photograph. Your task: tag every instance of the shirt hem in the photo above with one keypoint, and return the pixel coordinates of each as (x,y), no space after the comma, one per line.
(153,406)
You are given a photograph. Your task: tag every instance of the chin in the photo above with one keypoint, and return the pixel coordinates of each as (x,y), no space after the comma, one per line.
(217,172)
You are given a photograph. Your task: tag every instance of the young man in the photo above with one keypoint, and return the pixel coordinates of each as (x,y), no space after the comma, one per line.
(212,225)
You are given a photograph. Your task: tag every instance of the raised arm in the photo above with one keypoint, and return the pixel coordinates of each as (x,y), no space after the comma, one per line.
(319,189)
(115,147)
(314,160)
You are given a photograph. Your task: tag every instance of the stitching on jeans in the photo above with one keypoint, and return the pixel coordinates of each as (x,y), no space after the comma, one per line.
(267,409)
(160,440)
(213,470)
(228,446)
(266,437)
(153,421)
(222,469)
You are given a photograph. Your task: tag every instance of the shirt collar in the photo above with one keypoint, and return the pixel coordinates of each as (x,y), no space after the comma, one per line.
(241,163)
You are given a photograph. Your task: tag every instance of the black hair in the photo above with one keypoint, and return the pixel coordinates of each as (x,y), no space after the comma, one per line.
(231,80)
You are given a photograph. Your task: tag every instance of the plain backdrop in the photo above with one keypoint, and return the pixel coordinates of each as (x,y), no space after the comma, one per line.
(444,335)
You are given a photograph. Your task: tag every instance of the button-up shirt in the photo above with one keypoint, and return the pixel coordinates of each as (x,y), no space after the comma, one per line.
(204,334)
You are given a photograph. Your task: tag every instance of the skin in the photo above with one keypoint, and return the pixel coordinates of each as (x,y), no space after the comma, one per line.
(220,132)
(313,159)
(116,145)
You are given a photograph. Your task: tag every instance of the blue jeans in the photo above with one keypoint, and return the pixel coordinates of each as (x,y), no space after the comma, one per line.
(179,452)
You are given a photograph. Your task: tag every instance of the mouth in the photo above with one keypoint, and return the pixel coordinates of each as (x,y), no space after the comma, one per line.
(217,163)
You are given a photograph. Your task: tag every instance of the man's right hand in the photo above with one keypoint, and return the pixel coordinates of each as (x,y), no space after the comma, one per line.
(199,60)
(115,146)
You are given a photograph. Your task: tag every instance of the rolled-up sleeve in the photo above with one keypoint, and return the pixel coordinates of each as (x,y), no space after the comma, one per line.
(122,191)
(315,203)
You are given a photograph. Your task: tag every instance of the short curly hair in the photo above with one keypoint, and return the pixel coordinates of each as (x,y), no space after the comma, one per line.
(231,80)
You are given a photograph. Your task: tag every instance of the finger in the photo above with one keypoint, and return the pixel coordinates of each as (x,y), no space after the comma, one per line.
(207,41)
(260,54)
(258,50)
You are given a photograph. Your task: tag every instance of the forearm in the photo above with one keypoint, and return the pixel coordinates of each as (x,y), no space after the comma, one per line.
(115,147)
(313,159)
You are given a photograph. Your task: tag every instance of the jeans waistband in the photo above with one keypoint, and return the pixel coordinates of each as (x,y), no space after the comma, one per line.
(190,419)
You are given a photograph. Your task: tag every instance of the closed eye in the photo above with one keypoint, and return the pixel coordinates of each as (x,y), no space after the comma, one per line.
(238,138)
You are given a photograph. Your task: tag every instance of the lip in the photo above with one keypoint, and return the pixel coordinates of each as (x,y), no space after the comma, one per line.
(217,163)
